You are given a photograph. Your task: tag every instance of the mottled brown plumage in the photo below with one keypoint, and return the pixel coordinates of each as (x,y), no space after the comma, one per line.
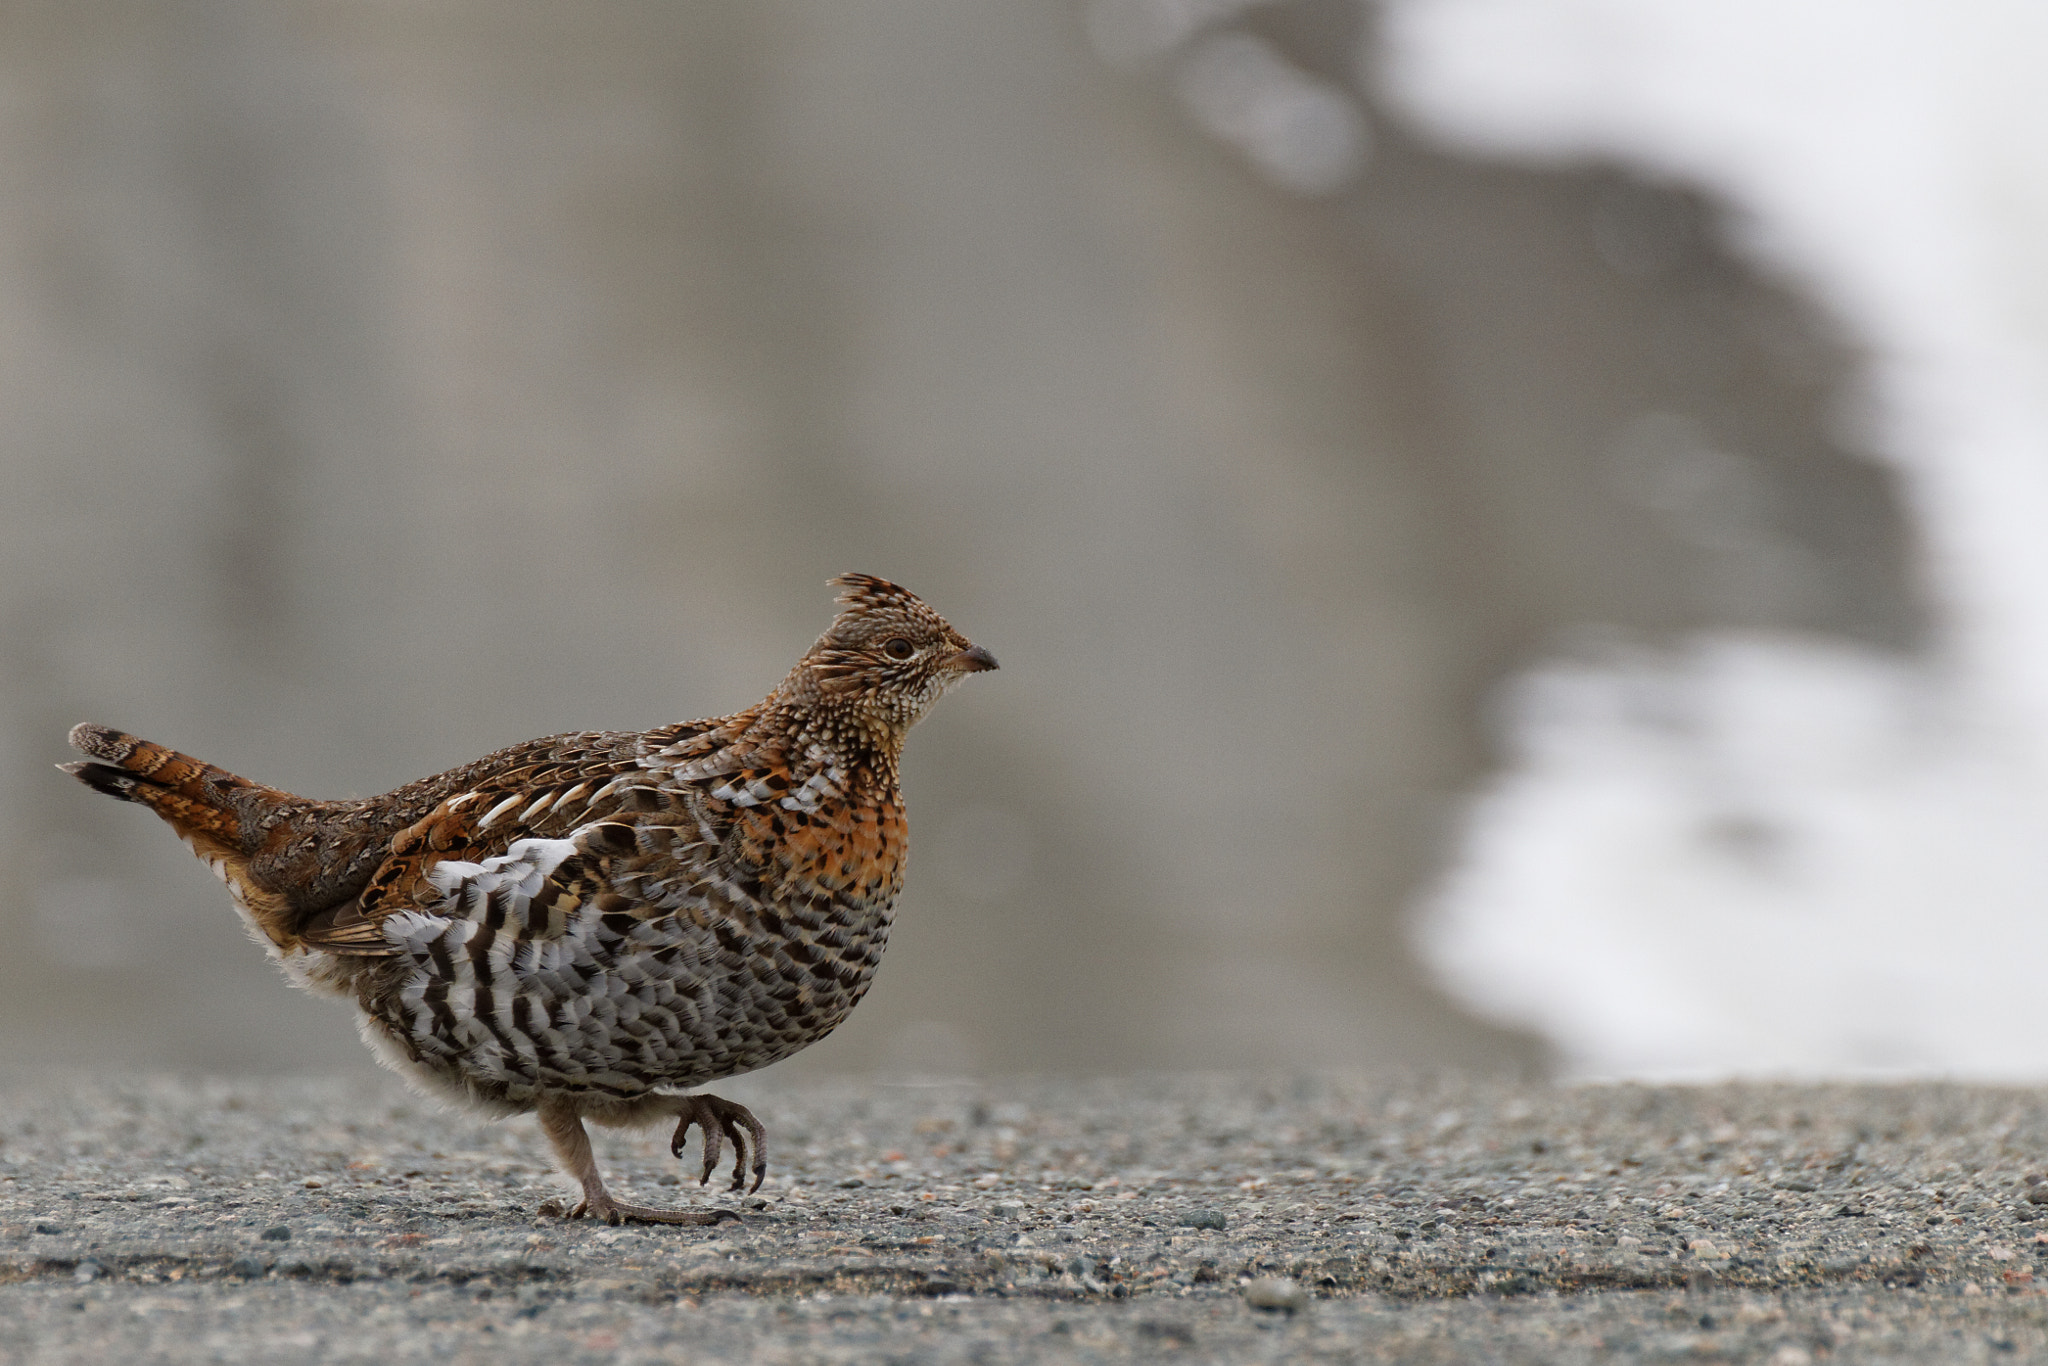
(588,925)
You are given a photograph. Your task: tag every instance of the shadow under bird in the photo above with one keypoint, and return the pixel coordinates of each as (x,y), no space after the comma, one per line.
(590,925)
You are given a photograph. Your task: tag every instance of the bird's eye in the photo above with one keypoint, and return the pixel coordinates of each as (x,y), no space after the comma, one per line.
(899,648)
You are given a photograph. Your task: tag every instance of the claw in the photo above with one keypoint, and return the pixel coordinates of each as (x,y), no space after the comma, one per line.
(721,1120)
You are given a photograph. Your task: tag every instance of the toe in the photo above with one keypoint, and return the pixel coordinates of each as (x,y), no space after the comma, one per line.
(695,1217)
(714,1142)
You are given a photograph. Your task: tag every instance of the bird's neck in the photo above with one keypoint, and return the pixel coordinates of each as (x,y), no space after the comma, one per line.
(817,733)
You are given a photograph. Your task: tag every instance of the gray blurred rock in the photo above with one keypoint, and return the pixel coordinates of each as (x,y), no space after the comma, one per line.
(1274,1293)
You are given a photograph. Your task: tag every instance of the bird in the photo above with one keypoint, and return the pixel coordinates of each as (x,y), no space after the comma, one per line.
(591,926)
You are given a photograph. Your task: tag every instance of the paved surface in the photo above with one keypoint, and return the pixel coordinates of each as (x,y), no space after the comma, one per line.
(162,1219)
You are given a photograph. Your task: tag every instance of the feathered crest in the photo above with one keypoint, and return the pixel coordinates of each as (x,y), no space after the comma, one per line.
(865,590)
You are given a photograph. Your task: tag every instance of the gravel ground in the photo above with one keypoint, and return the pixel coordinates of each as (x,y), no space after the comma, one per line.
(1196,1218)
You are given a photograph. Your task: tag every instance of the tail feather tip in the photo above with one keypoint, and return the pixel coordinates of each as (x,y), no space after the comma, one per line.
(102,742)
(101,778)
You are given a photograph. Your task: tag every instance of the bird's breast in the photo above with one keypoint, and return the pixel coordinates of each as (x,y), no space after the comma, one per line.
(843,851)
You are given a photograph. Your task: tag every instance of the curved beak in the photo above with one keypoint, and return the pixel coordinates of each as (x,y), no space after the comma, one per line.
(972,660)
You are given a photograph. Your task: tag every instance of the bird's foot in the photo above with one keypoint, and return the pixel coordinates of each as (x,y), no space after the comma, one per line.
(722,1119)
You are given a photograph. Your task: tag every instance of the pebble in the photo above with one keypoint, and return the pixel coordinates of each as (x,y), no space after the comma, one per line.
(1275,1293)
(278,1233)
(1204,1218)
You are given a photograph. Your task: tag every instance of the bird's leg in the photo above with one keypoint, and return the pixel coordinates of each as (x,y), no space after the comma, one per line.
(718,1117)
(563,1124)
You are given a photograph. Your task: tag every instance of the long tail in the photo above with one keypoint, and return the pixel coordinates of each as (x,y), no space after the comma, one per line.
(217,813)
(204,804)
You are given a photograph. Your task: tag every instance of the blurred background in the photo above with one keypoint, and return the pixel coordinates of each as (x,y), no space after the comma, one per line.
(1512,529)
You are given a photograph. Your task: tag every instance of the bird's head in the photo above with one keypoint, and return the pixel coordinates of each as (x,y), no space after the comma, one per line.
(886,657)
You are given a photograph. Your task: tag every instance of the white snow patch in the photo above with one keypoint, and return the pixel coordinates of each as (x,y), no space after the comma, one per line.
(1872,899)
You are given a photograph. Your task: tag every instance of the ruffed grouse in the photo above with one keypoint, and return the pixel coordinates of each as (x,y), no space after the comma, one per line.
(589,925)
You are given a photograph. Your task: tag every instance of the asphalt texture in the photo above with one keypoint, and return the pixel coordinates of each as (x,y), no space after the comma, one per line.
(1184,1218)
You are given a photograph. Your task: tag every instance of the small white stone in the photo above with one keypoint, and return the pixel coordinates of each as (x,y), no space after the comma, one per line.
(1275,1293)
